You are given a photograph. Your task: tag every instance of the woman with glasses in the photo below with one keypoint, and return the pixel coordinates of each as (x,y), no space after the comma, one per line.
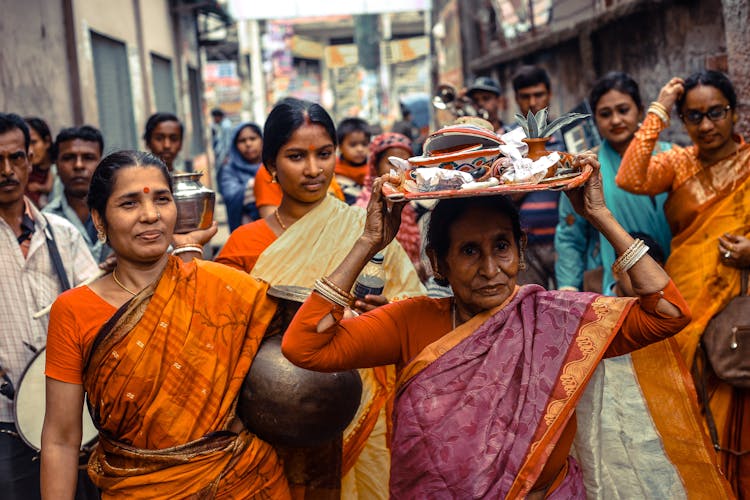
(708,209)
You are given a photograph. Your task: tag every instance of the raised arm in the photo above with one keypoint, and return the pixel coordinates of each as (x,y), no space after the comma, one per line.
(61,439)
(641,171)
(646,275)
(318,339)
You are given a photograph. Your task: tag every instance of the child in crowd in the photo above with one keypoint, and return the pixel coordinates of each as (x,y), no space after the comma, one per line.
(353,135)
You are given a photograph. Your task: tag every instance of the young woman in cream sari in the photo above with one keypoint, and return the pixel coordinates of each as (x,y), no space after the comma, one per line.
(307,237)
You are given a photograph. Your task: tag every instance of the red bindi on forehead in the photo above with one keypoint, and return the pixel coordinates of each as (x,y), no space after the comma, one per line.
(311,148)
(146,190)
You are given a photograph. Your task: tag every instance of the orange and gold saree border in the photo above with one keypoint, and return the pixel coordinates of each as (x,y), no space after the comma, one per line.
(600,321)
(667,387)
(695,264)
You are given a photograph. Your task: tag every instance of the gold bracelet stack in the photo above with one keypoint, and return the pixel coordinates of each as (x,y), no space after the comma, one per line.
(329,291)
(628,259)
(661,111)
(189,247)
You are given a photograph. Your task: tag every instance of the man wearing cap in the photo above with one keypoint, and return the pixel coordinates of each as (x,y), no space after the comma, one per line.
(487,95)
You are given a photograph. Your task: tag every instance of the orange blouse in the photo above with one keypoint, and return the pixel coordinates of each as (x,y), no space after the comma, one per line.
(642,172)
(80,314)
(397,332)
(248,241)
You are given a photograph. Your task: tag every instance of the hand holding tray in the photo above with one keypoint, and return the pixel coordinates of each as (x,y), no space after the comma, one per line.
(407,190)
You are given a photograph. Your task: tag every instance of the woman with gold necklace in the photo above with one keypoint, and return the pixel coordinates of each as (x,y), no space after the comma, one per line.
(307,237)
(160,347)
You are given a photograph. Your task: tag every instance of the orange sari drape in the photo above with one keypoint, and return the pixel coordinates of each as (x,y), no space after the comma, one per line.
(162,380)
(713,202)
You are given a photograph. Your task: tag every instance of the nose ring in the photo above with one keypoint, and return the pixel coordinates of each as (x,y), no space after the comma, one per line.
(158,215)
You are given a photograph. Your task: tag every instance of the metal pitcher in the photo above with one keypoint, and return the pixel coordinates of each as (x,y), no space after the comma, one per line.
(195,203)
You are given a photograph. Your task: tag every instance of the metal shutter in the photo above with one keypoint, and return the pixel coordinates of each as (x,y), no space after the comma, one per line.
(164,97)
(196,113)
(113,93)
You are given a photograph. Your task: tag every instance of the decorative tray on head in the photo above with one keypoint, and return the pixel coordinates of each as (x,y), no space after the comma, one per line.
(467,160)
(562,182)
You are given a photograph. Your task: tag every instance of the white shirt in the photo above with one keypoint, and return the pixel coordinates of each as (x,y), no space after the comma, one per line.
(31,284)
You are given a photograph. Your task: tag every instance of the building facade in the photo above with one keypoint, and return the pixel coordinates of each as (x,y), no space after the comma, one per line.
(577,41)
(110,64)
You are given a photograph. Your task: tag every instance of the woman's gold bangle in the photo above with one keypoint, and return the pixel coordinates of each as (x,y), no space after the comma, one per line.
(661,111)
(660,106)
(337,289)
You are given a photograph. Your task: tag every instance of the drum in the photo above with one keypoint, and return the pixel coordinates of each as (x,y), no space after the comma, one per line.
(29,404)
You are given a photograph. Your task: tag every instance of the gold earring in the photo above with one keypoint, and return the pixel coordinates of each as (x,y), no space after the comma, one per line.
(522,264)
(101,235)
(274,180)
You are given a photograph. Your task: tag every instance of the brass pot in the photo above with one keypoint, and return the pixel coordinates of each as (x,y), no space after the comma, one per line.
(195,203)
(287,405)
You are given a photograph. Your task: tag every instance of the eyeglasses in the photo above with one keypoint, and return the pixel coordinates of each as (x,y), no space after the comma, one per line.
(17,159)
(715,114)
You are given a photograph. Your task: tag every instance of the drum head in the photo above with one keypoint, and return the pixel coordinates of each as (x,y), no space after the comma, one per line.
(29,405)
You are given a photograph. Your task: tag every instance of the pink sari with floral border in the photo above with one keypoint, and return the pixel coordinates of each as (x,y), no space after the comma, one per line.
(480,411)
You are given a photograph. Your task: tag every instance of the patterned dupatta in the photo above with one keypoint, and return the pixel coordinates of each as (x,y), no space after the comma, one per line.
(162,379)
(483,409)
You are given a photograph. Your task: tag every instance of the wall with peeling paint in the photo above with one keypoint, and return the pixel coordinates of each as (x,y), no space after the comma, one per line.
(33,62)
(35,71)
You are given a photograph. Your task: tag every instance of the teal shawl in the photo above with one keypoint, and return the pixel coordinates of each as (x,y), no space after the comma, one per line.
(636,213)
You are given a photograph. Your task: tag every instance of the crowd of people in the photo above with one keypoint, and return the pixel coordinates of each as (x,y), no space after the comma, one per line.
(538,346)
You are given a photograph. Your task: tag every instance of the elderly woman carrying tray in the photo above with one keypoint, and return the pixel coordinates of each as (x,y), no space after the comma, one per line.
(489,379)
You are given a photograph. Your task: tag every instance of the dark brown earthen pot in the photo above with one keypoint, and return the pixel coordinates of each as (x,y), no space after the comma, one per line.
(287,405)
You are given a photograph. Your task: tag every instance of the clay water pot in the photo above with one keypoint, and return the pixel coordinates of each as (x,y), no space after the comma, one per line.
(290,406)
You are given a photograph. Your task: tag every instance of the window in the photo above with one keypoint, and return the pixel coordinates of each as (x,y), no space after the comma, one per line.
(113,92)
(161,72)
(197,145)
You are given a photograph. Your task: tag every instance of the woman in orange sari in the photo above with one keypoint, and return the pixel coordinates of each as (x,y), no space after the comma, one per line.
(161,348)
(708,209)
(489,379)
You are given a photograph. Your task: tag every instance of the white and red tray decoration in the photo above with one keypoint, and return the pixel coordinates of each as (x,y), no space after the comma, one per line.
(557,183)
(474,149)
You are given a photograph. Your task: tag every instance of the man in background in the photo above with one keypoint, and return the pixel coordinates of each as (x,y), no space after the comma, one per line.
(487,94)
(41,257)
(538,209)
(77,151)
(221,136)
